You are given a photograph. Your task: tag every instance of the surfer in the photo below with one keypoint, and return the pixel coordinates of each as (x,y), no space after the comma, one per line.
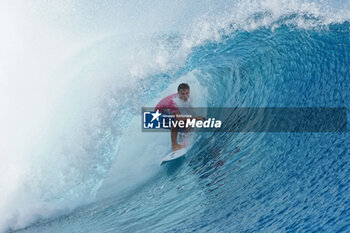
(171,105)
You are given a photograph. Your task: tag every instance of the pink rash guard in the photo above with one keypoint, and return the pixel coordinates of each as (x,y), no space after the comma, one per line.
(167,105)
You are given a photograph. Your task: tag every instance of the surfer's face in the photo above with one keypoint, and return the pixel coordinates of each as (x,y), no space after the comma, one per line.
(184,94)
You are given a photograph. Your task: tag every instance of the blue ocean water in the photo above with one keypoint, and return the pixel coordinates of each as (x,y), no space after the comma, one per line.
(228,182)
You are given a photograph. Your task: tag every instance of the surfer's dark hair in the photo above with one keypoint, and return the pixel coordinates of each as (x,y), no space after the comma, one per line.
(183,86)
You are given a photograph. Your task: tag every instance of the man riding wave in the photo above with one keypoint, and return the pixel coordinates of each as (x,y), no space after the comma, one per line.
(171,105)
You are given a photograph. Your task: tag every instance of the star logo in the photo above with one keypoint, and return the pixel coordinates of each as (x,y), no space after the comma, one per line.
(156,115)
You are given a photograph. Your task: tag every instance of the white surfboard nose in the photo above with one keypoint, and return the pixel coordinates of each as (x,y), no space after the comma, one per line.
(174,155)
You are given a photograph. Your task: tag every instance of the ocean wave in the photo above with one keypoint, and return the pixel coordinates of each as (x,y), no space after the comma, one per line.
(241,53)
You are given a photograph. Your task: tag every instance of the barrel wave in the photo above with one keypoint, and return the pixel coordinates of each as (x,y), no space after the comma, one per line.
(93,170)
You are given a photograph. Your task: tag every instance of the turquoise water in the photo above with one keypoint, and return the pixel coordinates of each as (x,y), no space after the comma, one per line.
(228,182)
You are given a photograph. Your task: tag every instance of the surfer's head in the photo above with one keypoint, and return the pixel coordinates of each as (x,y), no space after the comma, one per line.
(184,91)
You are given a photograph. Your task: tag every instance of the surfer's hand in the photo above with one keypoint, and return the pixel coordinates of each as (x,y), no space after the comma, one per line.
(201,118)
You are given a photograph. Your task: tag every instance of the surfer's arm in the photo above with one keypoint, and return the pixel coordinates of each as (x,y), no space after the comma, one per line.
(178,117)
(195,113)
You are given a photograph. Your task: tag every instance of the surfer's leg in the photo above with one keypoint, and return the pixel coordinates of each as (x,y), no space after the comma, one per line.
(174,144)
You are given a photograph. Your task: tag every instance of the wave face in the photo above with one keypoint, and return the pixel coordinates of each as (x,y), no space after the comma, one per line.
(84,165)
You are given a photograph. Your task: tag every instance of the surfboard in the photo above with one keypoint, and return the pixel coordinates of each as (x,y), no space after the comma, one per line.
(183,138)
(174,155)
